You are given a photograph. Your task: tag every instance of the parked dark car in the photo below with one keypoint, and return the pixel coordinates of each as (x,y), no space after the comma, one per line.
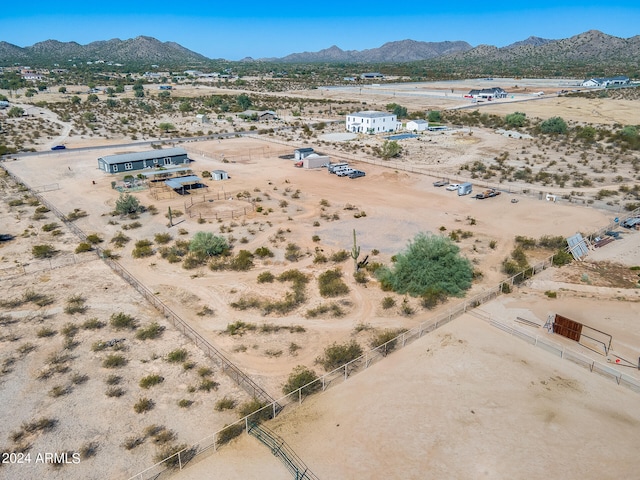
(441,183)
(356,174)
(58,147)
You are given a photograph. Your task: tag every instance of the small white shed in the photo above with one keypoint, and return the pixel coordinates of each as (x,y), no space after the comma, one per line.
(301,153)
(219,175)
(417,125)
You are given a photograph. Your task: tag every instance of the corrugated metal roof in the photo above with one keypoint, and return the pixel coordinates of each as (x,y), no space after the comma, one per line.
(160,171)
(179,182)
(138,156)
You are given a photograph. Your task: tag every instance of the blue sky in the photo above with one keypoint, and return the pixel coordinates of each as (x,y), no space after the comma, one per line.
(273,29)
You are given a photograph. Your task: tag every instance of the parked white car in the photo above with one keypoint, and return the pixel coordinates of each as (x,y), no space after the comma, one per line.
(453,186)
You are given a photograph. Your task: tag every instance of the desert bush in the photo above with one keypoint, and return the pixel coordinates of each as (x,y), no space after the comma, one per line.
(256,410)
(386,338)
(292,252)
(205,244)
(127,204)
(150,332)
(143,405)
(242,261)
(88,450)
(83,247)
(93,324)
(143,248)
(49,227)
(114,361)
(331,284)
(162,238)
(552,242)
(120,239)
(551,294)
(334,309)
(298,378)
(45,332)
(388,302)
(177,356)
(150,381)
(336,355)
(207,385)
(266,277)
(69,330)
(225,403)
(339,256)
(75,304)
(562,257)
(240,328)
(113,380)
(60,390)
(263,252)
(184,403)
(122,321)
(43,251)
(94,239)
(132,442)
(228,433)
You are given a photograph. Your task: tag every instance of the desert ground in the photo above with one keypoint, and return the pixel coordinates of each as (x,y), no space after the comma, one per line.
(515,405)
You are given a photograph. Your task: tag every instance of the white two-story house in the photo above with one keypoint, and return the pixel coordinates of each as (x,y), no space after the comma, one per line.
(371,121)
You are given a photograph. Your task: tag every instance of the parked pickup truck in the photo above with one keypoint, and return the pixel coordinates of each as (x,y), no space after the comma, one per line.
(441,183)
(488,193)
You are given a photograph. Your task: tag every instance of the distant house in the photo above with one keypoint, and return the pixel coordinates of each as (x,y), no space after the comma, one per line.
(606,82)
(417,125)
(202,118)
(260,116)
(371,76)
(371,121)
(126,162)
(487,93)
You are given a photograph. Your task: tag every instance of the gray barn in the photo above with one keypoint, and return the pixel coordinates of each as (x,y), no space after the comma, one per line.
(127,162)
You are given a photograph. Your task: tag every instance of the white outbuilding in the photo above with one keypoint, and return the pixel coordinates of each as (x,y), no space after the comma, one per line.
(417,125)
(219,175)
(371,121)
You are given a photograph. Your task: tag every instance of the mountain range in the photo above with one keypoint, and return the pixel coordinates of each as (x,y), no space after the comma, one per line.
(588,47)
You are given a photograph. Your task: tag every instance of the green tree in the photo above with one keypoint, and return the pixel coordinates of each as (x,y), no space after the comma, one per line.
(15,112)
(206,244)
(75,100)
(429,262)
(298,378)
(92,98)
(434,116)
(389,149)
(398,110)
(166,127)
(185,107)
(62,90)
(517,119)
(243,101)
(553,125)
(127,204)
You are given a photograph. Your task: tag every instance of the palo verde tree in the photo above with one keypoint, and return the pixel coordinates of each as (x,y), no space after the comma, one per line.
(127,204)
(430,263)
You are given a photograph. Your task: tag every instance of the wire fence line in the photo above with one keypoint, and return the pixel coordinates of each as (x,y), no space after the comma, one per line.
(221,361)
(564,352)
(59,261)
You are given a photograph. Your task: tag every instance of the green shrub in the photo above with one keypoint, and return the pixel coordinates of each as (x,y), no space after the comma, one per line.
(150,381)
(339,256)
(298,378)
(266,277)
(263,252)
(336,355)
(43,251)
(45,332)
(256,410)
(229,433)
(331,284)
(75,304)
(225,403)
(94,239)
(49,227)
(143,405)
(93,324)
(83,247)
(432,296)
(562,257)
(184,403)
(388,302)
(122,321)
(114,361)
(178,355)
(150,332)
(142,249)
(207,385)
(120,239)
(240,328)
(292,252)
(386,338)
(551,294)
(162,238)
(241,262)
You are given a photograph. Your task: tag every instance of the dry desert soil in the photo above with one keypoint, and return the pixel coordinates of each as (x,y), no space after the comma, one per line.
(467,400)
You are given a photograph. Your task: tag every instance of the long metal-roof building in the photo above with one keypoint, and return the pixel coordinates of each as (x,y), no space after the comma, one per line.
(126,162)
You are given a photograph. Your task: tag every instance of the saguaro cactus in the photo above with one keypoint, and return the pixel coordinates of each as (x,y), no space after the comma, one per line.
(355,252)
(170,215)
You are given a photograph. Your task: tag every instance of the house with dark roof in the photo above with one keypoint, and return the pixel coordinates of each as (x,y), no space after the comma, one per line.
(488,93)
(605,82)
(126,162)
